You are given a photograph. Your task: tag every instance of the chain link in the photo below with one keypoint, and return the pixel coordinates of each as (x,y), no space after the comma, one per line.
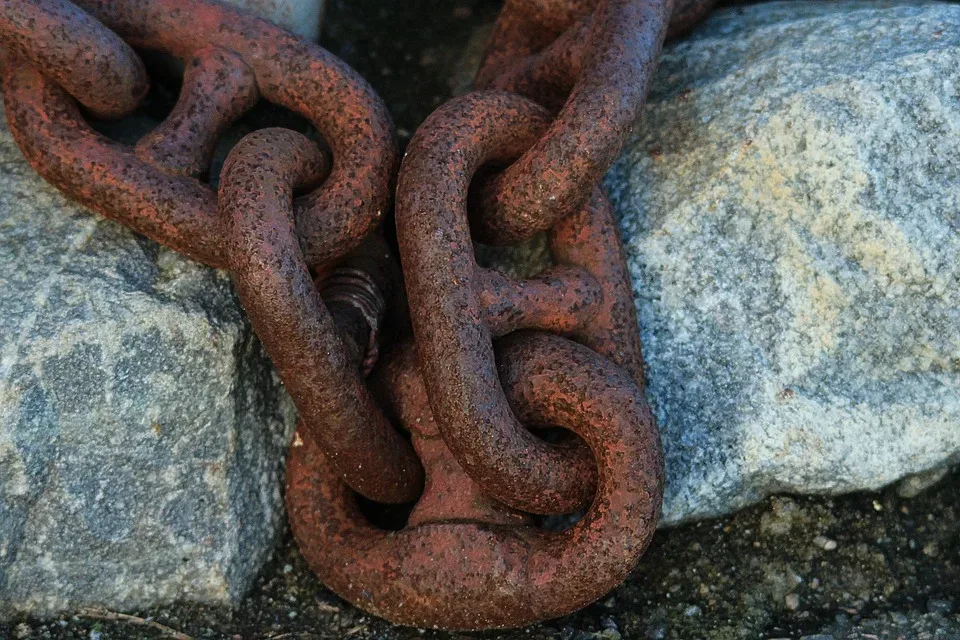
(490,357)
(231,60)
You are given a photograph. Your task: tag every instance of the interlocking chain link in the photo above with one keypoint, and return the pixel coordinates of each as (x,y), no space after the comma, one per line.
(231,59)
(447,291)
(561,85)
(125,184)
(468,400)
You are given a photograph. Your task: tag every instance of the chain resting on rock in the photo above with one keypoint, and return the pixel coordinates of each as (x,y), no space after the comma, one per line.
(474,363)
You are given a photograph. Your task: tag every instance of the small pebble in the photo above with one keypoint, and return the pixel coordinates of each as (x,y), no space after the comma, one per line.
(899,619)
(23,631)
(792,601)
(657,631)
(287,568)
(913,486)
(96,635)
(825,543)
(943,607)
(692,611)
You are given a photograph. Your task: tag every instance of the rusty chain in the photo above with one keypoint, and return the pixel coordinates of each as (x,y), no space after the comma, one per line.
(490,357)
(145,189)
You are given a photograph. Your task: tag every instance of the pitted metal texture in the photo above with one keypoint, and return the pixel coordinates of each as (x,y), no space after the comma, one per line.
(478,367)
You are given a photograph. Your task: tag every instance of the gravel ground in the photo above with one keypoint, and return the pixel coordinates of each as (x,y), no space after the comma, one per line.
(866,566)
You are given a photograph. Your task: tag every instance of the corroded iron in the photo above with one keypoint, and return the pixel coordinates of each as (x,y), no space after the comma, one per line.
(590,63)
(298,332)
(599,71)
(465,561)
(457,308)
(230,46)
(231,59)
(494,358)
(55,35)
(468,558)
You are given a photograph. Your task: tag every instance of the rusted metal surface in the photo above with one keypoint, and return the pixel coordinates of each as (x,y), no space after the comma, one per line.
(608,84)
(590,238)
(538,47)
(105,176)
(466,562)
(331,220)
(90,61)
(589,62)
(355,299)
(457,307)
(231,59)
(564,81)
(299,334)
(183,144)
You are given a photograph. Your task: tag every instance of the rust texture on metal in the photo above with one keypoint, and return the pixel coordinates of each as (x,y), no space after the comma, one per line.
(607,83)
(181,213)
(299,334)
(476,363)
(105,176)
(451,300)
(468,557)
(255,228)
(464,561)
(590,64)
(98,68)
(184,143)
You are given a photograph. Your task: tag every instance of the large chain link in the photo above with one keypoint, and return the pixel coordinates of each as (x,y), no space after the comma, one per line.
(561,84)
(481,398)
(231,59)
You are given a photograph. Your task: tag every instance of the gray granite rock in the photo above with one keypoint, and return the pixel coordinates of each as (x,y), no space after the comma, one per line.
(141,427)
(790,211)
(302,17)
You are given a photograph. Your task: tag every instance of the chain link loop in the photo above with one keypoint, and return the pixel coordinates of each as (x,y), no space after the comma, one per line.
(153,189)
(561,85)
(473,383)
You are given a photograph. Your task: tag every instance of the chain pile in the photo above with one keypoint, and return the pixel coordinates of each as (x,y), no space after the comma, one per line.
(488,358)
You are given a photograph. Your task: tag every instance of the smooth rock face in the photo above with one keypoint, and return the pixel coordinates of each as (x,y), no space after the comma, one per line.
(790,212)
(302,17)
(141,427)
